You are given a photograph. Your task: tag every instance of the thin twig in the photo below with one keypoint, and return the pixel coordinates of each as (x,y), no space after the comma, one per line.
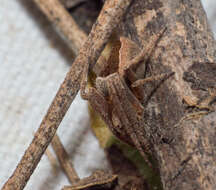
(64,160)
(97,178)
(75,37)
(110,16)
(71,3)
(53,161)
(63,22)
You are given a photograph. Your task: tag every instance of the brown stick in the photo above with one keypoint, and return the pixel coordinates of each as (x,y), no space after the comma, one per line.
(109,17)
(71,3)
(53,161)
(75,37)
(185,149)
(64,160)
(64,23)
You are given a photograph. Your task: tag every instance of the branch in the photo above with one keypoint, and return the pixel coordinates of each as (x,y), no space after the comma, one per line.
(63,22)
(184,149)
(64,160)
(75,37)
(108,19)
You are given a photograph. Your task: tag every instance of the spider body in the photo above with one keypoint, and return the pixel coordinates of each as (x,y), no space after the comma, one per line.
(117,93)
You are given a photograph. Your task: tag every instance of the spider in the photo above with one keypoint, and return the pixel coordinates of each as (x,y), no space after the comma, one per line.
(117,92)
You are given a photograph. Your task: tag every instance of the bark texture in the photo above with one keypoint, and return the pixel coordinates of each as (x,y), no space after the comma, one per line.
(183,138)
(111,14)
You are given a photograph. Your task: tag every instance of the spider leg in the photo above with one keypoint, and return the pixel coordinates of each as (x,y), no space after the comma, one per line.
(84,89)
(127,66)
(139,109)
(100,105)
(145,54)
(96,98)
(135,115)
(126,113)
(161,77)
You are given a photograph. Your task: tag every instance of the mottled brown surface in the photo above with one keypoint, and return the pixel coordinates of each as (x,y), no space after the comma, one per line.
(185,150)
(109,17)
(184,146)
(64,160)
(64,23)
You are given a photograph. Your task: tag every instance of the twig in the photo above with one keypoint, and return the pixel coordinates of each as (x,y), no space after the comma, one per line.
(64,160)
(96,179)
(63,22)
(71,3)
(53,161)
(75,37)
(110,16)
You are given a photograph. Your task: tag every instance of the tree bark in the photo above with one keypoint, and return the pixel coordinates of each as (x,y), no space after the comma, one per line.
(183,140)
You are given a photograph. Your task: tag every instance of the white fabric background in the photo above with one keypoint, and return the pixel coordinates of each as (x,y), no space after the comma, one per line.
(33,63)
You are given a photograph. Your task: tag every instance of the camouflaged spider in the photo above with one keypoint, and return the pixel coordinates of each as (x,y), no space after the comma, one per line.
(116,93)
